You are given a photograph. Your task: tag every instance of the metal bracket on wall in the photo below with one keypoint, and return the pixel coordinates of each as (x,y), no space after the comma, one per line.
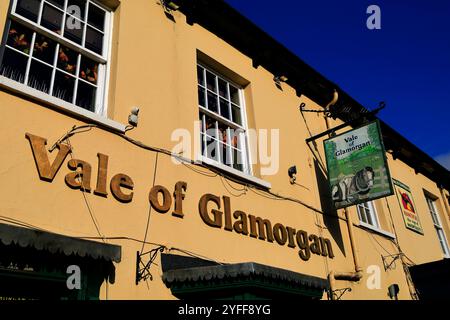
(340,292)
(143,269)
(389,265)
(359,118)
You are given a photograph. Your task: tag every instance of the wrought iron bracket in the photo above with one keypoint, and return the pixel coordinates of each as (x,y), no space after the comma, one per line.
(340,292)
(328,114)
(388,261)
(143,269)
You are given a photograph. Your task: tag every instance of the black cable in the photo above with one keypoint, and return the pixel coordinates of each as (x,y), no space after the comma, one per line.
(234,195)
(83,192)
(150,207)
(185,160)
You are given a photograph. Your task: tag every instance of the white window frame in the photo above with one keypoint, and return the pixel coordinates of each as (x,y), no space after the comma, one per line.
(247,173)
(372,211)
(100,110)
(435,217)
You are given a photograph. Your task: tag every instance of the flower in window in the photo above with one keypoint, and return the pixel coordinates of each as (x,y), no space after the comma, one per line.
(40,47)
(19,40)
(90,75)
(63,56)
(65,62)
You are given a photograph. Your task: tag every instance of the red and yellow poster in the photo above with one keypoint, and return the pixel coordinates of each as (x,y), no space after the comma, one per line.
(407,207)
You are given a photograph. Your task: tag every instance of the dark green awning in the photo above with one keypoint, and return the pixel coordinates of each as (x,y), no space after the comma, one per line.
(186,275)
(56,243)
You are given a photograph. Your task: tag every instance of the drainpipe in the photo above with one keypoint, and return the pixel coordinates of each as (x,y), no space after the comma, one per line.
(331,103)
(357,274)
(348,276)
(445,200)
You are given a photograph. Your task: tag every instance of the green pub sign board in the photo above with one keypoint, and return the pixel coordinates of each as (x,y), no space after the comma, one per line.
(357,166)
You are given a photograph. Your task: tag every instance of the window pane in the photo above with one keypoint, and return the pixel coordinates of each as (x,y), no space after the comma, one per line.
(58,3)
(236,137)
(200,77)
(211,81)
(44,49)
(224,156)
(14,65)
(210,124)
(223,89)
(94,40)
(362,213)
(234,95)
(52,18)
(224,109)
(211,148)
(435,219)
(96,17)
(28,9)
(89,70)
(67,60)
(74,30)
(442,241)
(200,117)
(77,8)
(212,102)
(40,76)
(236,113)
(223,133)
(19,37)
(237,160)
(64,86)
(203,144)
(370,217)
(201,97)
(433,213)
(86,96)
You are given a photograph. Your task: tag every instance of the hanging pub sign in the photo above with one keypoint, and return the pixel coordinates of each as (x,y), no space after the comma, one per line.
(407,207)
(357,166)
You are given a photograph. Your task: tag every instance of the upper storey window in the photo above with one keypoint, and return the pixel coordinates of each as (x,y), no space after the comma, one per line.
(223,123)
(59,48)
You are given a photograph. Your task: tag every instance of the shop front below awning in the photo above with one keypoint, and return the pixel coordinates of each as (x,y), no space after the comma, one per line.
(432,280)
(34,264)
(189,277)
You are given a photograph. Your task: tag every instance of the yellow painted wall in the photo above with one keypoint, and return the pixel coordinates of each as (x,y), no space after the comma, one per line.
(154,67)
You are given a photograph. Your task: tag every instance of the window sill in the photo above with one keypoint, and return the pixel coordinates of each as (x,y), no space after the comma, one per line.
(363,225)
(236,173)
(59,104)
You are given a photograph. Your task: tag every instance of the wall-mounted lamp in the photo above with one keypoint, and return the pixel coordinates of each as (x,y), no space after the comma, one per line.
(133,118)
(279,79)
(292,172)
(170,5)
(393,291)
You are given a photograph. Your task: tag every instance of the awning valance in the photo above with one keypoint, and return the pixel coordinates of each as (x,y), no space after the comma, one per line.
(56,243)
(185,274)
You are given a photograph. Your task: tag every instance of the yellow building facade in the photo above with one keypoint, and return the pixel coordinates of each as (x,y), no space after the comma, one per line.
(141,210)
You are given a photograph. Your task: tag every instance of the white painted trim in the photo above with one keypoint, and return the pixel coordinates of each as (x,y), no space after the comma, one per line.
(60,104)
(107,81)
(238,174)
(377,230)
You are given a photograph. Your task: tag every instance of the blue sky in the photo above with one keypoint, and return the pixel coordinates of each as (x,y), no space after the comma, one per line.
(406,63)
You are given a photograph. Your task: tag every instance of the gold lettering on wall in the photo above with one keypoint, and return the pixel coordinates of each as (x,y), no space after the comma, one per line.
(46,170)
(118,182)
(220,213)
(166,199)
(179,196)
(79,179)
(102,175)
